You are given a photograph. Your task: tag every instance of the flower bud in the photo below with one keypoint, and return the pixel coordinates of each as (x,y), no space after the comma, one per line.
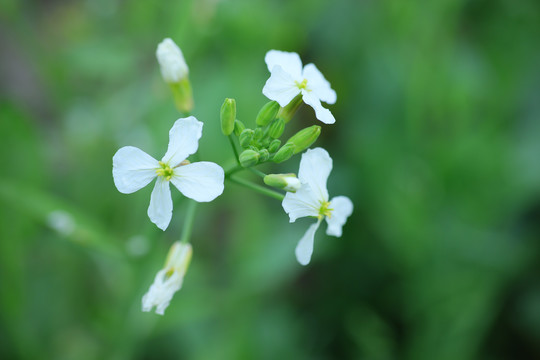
(267,113)
(304,138)
(264,155)
(238,127)
(245,138)
(288,111)
(259,133)
(174,71)
(249,158)
(274,145)
(228,116)
(183,96)
(171,61)
(287,182)
(276,129)
(284,153)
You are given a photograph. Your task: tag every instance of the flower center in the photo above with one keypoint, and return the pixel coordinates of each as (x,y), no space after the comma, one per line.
(169,273)
(325,210)
(165,171)
(302,85)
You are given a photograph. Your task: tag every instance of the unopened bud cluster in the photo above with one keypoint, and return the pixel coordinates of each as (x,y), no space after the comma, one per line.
(263,143)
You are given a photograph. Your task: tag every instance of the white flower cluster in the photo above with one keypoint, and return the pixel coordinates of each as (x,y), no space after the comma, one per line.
(307,194)
(287,80)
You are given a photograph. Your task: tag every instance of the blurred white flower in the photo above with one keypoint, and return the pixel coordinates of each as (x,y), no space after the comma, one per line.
(171,61)
(169,279)
(288,79)
(61,221)
(312,200)
(202,181)
(137,245)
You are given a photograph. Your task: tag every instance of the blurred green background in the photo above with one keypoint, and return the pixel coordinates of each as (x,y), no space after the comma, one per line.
(437,142)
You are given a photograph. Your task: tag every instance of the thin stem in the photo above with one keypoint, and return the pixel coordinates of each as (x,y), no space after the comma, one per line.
(188,222)
(257,188)
(235,169)
(235,151)
(258,172)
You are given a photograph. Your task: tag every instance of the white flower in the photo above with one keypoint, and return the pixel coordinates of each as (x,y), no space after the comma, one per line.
(202,181)
(312,200)
(169,279)
(288,79)
(171,61)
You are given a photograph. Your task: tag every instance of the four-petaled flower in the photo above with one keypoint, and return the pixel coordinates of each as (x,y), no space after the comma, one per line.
(288,80)
(312,200)
(169,279)
(201,181)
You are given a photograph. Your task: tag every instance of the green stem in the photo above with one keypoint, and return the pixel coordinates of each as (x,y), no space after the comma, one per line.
(188,222)
(258,172)
(233,170)
(257,188)
(235,151)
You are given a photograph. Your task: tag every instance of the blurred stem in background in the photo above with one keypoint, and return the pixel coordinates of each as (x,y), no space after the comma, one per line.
(188,221)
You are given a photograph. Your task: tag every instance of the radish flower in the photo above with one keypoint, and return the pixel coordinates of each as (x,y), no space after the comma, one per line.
(169,279)
(171,61)
(312,200)
(288,79)
(202,181)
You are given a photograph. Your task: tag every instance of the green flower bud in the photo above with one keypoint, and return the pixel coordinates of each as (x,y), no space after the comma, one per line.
(245,138)
(265,142)
(259,133)
(228,115)
(274,145)
(276,129)
(183,96)
(238,127)
(288,111)
(249,158)
(264,155)
(284,153)
(175,72)
(287,182)
(304,138)
(267,113)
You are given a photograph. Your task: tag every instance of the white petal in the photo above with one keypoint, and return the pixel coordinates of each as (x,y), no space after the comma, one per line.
(343,208)
(321,113)
(171,61)
(289,61)
(318,84)
(160,209)
(201,181)
(303,202)
(280,87)
(304,249)
(161,291)
(133,169)
(183,140)
(315,168)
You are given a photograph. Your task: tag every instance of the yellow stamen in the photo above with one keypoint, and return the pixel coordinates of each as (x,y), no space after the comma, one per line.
(165,171)
(185,162)
(302,85)
(325,210)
